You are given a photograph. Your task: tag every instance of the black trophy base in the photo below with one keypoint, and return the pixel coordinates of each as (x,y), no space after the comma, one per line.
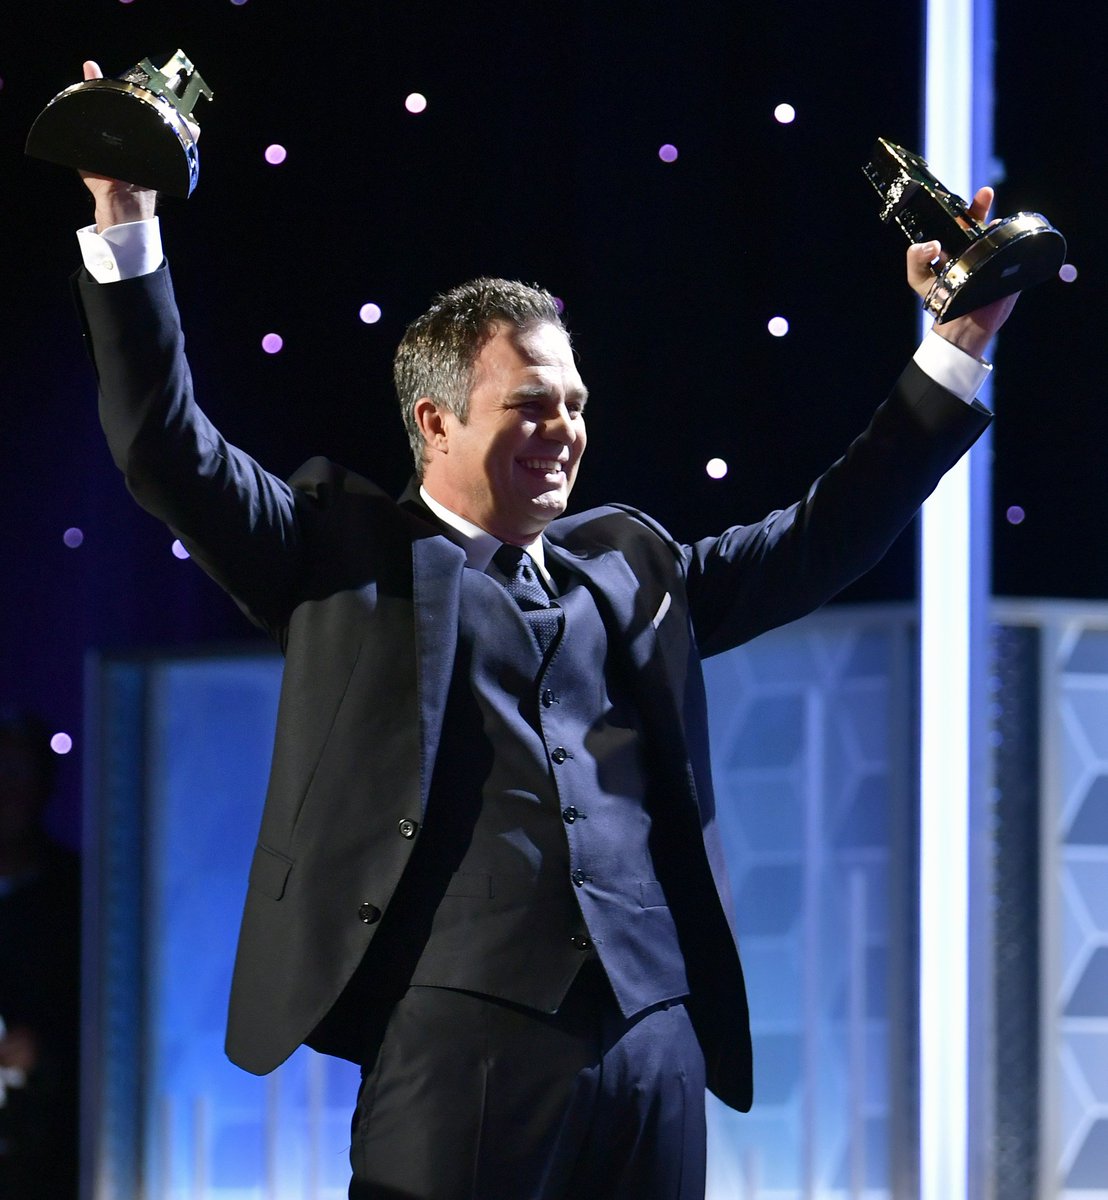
(124,132)
(1008,257)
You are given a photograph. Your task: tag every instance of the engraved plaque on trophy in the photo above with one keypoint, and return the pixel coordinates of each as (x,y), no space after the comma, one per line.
(985,262)
(138,128)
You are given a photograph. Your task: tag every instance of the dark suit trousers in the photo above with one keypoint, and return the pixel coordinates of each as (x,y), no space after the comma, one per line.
(474,1099)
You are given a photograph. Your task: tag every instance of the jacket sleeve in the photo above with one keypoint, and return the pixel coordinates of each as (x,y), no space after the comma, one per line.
(246,528)
(756,577)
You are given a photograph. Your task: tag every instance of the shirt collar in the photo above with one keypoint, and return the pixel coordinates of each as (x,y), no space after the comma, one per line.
(479,545)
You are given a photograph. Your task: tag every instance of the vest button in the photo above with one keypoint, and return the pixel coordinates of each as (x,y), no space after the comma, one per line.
(569,815)
(559,755)
(547,697)
(369,914)
(407,827)
(578,877)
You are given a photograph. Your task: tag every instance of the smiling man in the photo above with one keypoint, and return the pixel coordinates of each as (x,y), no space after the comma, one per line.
(488,869)
(500,447)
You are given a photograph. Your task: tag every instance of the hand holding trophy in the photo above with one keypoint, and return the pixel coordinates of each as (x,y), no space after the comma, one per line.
(139,128)
(984,262)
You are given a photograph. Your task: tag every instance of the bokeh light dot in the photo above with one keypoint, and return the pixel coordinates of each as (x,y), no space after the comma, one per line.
(716,468)
(415,102)
(61,743)
(1015,515)
(559,304)
(238,3)
(179,550)
(273,343)
(275,154)
(785,114)
(778,326)
(667,153)
(370,313)
(73,537)
(1067,272)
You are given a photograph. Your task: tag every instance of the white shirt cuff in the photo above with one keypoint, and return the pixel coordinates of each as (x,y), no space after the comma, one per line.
(121,251)
(950,367)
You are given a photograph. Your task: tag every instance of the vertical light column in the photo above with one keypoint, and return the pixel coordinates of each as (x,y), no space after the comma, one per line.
(953,599)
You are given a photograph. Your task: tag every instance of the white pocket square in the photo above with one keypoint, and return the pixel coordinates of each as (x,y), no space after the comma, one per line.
(663,608)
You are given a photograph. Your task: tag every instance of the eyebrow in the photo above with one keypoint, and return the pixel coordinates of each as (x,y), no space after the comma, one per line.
(581,395)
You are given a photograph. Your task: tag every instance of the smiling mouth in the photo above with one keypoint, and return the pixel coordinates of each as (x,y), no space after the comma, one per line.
(549,466)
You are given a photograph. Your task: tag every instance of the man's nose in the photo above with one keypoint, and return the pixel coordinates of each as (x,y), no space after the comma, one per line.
(560,428)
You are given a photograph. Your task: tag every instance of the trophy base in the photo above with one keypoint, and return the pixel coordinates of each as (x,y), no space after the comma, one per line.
(150,143)
(1009,256)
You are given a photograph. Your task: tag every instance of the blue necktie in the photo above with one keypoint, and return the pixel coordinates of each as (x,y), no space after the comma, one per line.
(523,585)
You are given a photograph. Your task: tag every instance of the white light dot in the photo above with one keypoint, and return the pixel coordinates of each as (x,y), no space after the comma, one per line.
(61,743)
(273,343)
(778,326)
(178,549)
(716,468)
(275,154)
(73,537)
(370,313)
(1067,272)
(667,153)
(785,113)
(415,102)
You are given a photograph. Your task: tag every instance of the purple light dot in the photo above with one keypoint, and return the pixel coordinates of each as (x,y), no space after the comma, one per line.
(716,468)
(273,343)
(178,549)
(275,154)
(778,326)
(1015,515)
(73,537)
(61,743)
(370,313)
(238,3)
(559,304)
(1,83)
(785,114)
(1067,272)
(667,153)
(415,102)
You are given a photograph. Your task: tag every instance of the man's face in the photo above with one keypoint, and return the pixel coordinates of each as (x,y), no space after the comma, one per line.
(511,466)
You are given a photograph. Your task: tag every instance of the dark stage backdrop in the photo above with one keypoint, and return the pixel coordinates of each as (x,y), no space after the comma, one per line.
(537,157)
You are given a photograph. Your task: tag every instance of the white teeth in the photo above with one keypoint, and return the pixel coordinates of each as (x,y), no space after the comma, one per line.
(542,464)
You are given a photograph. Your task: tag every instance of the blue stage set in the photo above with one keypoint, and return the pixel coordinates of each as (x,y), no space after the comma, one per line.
(912,783)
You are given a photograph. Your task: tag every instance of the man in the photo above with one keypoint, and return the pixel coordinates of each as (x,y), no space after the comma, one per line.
(488,869)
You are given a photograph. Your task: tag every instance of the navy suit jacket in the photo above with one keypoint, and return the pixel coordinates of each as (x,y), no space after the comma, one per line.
(361,592)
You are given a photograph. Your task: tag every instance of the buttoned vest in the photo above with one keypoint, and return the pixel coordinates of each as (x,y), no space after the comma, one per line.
(536,847)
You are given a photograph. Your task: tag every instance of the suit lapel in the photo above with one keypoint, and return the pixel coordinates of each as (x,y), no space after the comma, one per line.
(628,610)
(437,565)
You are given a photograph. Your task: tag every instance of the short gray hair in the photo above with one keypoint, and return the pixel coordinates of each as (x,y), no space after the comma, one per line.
(438,352)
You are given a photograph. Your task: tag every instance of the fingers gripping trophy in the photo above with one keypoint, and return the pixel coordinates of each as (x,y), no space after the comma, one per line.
(139,128)
(983,263)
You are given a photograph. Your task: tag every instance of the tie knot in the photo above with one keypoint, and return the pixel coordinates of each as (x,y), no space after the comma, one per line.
(510,560)
(521,579)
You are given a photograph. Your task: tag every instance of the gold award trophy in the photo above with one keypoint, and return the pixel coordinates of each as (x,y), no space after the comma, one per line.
(986,261)
(135,128)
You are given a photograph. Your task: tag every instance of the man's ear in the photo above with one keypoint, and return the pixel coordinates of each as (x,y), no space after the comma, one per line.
(431,420)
